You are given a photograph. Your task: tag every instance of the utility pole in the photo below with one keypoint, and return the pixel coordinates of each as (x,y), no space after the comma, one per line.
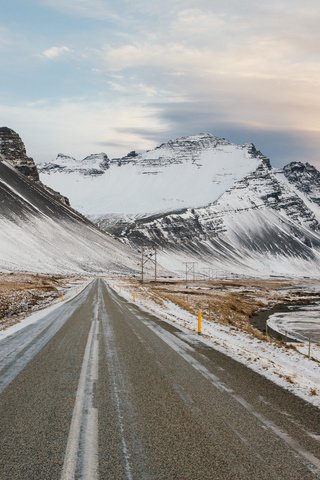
(149,256)
(190,269)
(208,272)
(142,264)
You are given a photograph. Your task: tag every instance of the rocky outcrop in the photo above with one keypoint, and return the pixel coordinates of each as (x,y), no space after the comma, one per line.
(304,177)
(93,165)
(13,150)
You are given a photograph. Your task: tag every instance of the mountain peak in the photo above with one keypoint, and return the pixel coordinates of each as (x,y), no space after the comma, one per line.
(92,165)
(189,171)
(12,150)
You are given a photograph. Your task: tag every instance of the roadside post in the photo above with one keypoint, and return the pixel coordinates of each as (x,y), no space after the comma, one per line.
(199,322)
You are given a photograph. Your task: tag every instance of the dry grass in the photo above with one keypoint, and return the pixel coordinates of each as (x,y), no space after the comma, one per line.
(21,293)
(230,302)
(313,392)
(289,379)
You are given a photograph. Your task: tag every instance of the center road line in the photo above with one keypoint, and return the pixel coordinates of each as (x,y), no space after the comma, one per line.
(119,385)
(81,456)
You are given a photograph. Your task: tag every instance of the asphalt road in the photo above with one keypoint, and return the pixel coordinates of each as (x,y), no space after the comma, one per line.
(101,390)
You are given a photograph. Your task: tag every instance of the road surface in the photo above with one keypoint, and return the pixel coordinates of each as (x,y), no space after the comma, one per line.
(99,389)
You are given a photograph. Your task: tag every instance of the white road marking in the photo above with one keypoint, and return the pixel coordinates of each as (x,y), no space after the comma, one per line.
(81,456)
(119,384)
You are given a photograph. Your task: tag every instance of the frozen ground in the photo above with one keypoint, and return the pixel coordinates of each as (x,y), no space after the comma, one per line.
(281,364)
(301,323)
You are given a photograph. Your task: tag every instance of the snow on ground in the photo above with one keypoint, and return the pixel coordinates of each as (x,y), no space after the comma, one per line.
(286,367)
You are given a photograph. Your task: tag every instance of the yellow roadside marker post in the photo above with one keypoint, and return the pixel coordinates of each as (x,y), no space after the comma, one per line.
(199,322)
(62,297)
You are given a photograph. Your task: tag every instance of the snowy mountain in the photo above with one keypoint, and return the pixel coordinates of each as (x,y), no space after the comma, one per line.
(204,199)
(267,223)
(198,198)
(95,164)
(188,172)
(40,233)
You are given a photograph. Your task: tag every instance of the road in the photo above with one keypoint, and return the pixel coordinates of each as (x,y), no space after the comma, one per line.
(99,389)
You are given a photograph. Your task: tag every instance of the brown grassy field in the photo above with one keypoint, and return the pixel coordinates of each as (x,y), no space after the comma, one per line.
(21,293)
(232,302)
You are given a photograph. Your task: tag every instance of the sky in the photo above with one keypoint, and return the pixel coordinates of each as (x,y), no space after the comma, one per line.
(85,76)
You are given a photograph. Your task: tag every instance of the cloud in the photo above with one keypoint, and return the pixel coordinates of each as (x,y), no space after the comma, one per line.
(96,9)
(55,52)
(195,24)
(281,143)
(77,126)
(258,70)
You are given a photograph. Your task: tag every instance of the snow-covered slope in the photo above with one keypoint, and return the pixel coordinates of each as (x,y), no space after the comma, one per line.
(187,172)
(263,224)
(41,234)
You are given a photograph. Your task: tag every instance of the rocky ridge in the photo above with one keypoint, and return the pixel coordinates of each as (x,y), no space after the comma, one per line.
(176,151)
(95,164)
(13,151)
(304,177)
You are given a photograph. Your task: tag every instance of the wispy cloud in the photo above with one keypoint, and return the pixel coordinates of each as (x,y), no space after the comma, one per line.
(77,126)
(55,52)
(97,9)
(244,71)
